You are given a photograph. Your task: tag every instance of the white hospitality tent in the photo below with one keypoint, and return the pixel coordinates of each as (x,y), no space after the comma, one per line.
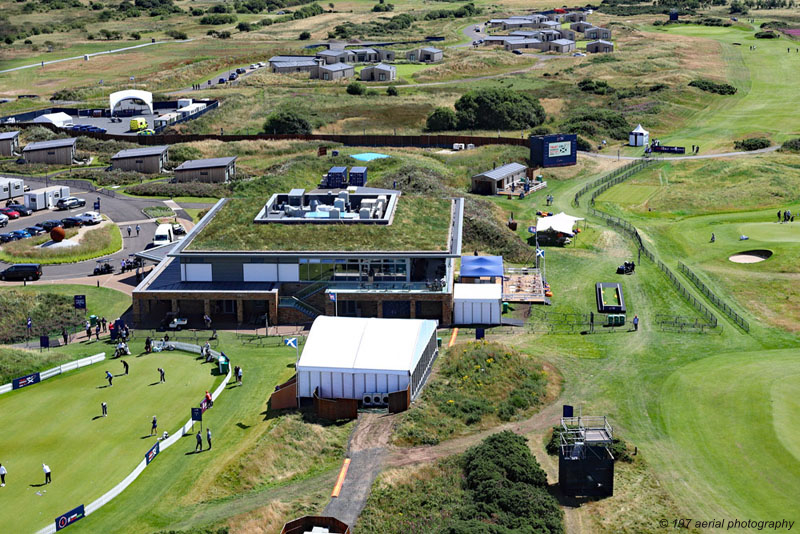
(477,304)
(561,223)
(639,137)
(117,98)
(351,357)
(60,119)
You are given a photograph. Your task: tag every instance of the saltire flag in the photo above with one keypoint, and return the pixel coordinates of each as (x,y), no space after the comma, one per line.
(291,342)
(539,253)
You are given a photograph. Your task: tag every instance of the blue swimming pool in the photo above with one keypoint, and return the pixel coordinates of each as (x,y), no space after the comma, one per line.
(368,156)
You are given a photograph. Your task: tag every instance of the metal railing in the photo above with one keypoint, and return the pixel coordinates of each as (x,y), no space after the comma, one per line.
(682,323)
(715,300)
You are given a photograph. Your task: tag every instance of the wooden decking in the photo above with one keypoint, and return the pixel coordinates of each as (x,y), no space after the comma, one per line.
(524,287)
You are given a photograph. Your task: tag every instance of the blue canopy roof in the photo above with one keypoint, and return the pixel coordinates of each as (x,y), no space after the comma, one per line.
(478,266)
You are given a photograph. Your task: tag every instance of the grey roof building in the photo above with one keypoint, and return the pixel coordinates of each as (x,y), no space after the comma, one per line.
(206,170)
(9,143)
(379,73)
(337,56)
(499,179)
(600,46)
(427,54)
(287,64)
(335,71)
(150,160)
(57,151)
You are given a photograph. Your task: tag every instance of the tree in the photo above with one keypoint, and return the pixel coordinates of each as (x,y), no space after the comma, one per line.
(287,122)
(498,108)
(244,27)
(391,90)
(305,36)
(441,119)
(355,88)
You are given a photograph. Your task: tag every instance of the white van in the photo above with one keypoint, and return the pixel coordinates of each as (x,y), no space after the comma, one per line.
(163,235)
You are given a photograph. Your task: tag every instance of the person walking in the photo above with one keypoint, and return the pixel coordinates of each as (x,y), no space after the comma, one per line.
(64,335)
(110,378)
(199,445)
(208,437)
(103,323)
(104,407)
(713,237)
(779,215)
(161,375)
(129,230)
(239,376)
(125,366)
(207,321)
(88,330)
(47,476)
(154,426)
(138,229)
(97,331)
(209,400)
(635,323)
(3,473)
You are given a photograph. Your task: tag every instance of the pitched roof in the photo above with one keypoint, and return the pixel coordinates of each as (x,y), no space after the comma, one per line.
(9,135)
(502,172)
(141,152)
(205,163)
(334,53)
(601,41)
(431,50)
(297,63)
(336,67)
(55,143)
(563,42)
(384,66)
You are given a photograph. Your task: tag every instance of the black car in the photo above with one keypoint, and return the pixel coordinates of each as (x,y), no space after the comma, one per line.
(221,81)
(69,203)
(22,271)
(6,238)
(72,222)
(49,225)
(22,210)
(35,230)
(240,70)
(233,76)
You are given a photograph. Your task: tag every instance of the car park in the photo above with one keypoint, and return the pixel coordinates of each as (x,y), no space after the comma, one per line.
(69,203)
(22,271)
(21,234)
(3,220)
(35,230)
(11,214)
(91,217)
(19,208)
(7,238)
(49,225)
(72,222)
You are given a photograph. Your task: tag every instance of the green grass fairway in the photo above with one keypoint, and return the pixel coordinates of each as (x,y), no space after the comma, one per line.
(733,418)
(771,231)
(56,422)
(633,194)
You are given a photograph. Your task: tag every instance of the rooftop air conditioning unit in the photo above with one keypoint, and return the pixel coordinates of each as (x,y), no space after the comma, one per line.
(377,399)
(385,399)
(366,399)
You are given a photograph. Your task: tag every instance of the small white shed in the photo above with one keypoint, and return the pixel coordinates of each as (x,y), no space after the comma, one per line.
(639,137)
(47,197)
(477,303)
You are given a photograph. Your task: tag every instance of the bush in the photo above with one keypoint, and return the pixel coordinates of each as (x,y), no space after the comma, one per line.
(498,108)
(382,8)
(792,145)
(183,152)
(391,90)
(217,18)
(597,87)
(355,88)
(244,27)
(767,35)
(287,122)
(713,87)
(136,36)
(183,189)
(598,123)
(305,36)
(752,143)
(441,119)
(583,144)
(177,35)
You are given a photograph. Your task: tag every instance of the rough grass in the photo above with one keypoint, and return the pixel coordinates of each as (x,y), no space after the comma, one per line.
(93,244)
(16,362)
(158,211)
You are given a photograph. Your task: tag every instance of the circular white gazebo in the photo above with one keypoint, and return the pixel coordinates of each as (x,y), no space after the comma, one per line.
(145,97)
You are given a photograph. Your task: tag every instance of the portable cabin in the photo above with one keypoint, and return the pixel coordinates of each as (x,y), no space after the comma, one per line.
(11,187)
(55,152)
(45,198)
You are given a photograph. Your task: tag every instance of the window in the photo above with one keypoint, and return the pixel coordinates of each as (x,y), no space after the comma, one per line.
(382,77)
(203,173)
(51,153)
(325,76)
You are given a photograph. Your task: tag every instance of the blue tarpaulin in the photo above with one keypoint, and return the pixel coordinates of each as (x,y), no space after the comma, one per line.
(478,266)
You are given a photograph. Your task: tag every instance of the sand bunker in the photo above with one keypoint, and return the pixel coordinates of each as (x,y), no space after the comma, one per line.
(751,256)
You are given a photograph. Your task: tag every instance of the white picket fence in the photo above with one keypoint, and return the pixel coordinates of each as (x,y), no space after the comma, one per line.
(71,366)
(185,429)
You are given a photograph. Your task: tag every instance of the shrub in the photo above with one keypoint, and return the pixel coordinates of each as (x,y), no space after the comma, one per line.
(383,8)
(752,143)
(792,145)
(136,36)
(287,122)
(183,189)
(391,90)
(498,108)
(441,119)
(598,122)
(244,27)
(224,35)
(713,87)
(177,35)
(767,35)
(216,19)
(355,88)
(305,36)
(183,152)
(597,87)
(583,144)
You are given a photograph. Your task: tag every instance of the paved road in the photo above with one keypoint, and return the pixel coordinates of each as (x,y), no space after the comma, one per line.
(471,33)
(224,75)
(699,156)
(91,55)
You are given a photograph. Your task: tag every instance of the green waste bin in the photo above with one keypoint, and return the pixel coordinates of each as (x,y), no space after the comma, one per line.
(439,342)
(224,365)
(506,306)
(93,320)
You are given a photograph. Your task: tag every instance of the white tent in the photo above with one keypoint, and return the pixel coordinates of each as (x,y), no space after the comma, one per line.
(561,223)
(60,119)
(350,357)
(639,137)
(477,303)
(117,98)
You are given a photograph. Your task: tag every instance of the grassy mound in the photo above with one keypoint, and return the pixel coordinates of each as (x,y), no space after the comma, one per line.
(93,244)
(476,385)
(20,362)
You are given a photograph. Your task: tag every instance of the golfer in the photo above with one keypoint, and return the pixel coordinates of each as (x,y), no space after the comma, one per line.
(199,445)
(3,472)
(208,437)
(636,322)
(154,426)
(162,377)
(104,406)
(125,366)
(110,378)
(239,376)
(46,469)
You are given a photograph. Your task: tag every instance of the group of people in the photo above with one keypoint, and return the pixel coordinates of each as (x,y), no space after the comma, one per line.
(695,149)
(47,474)
(99,327)
(785,217)
(199,437)
(237,374)
(138,229)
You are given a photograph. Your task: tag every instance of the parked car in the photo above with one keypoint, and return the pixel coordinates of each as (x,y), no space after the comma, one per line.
(3,220)
(233,76)
(578,54)
(241,70)
(67,203)
(35,230)
(72,222)
(147,132)
(21,234)
(8,212)
(221,81)
(19,208)
(91,217)
(6,238)
(517,52)
(22,271)
(261,64)
(49,225)
(97,129)
(253,66)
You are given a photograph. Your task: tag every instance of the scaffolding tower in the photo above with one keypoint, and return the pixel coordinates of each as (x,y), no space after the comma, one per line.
(585,463)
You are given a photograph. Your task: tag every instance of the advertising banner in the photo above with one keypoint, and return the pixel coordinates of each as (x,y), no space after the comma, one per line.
(63,521)
(152,453)
(27,380)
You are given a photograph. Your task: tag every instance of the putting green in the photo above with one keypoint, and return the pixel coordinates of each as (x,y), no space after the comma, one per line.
(57,422)
(733,418)
(771,231)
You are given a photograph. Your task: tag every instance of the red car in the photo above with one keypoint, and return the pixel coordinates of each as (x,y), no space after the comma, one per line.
(8,212)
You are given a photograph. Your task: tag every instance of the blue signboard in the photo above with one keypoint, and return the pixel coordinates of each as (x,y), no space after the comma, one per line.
(152,453)
(197,414)
(27,380)
(79,302)
(555,150)
(44,342)
(63,521)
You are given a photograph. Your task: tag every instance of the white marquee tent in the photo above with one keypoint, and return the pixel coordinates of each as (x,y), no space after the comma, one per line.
(117,98)
(561,223)
(350,357)
(60,119)
(639,137)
